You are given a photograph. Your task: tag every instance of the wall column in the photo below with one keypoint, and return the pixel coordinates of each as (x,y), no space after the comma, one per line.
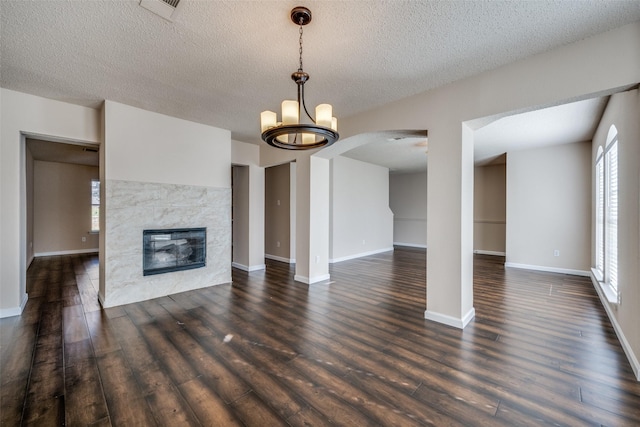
(450,225)
(312,219)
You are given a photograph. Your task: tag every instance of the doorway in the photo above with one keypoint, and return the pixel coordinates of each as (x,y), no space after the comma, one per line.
(62,198)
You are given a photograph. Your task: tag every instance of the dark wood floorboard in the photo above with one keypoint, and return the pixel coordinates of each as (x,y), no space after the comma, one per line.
(353,351)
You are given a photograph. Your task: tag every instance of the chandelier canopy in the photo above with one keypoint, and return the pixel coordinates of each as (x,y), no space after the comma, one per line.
(292,133)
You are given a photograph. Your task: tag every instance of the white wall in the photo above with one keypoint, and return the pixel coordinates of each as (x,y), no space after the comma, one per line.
(408,201)
(62,208)
(22,114)
(623,111)
(161,172)
(571,72)
(549,208)
(362,222)
(489,209)
(249,155)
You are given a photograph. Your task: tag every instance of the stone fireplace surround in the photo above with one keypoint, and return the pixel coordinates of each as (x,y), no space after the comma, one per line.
(130,208)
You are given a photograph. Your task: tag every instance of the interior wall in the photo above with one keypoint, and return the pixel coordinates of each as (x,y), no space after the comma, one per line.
(161,173)
(362,222)
(248,155)
(62,208)
(240,219)
(549,208)
(22,114)
(595,66)
(277,217)
(623,111)
(29,190)
(292,210)
(490,209)
(408,201)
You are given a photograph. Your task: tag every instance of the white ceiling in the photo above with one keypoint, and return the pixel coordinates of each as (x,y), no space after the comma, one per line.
(222,62)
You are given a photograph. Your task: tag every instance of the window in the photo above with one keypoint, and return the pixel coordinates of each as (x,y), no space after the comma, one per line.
(606,268)
(95,205)
(600,214)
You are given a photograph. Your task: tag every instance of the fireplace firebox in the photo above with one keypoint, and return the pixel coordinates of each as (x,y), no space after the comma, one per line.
(173,250)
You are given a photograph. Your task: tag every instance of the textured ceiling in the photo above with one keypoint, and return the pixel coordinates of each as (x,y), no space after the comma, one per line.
(562,124)
(222,62)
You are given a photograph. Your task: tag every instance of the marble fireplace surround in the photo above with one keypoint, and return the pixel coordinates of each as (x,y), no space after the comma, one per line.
(130,208)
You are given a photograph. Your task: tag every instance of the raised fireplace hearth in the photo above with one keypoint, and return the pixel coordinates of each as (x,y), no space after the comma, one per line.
(176,249)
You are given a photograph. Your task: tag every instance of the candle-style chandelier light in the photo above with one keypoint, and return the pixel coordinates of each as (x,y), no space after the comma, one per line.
(292,133)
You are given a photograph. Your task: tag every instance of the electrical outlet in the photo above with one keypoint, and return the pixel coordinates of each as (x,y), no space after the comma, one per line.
(556,252)
(317,259)
(277,244)
(84,239)
(363,242)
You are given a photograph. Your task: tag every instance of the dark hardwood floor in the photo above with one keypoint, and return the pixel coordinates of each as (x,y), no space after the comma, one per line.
(356,351)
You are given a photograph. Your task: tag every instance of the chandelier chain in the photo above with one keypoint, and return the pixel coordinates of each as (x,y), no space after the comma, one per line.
(300,42)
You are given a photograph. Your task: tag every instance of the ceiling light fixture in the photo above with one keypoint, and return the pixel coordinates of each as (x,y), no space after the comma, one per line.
(292,133)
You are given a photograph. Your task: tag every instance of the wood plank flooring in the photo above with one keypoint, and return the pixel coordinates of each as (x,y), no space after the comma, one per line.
(356,351)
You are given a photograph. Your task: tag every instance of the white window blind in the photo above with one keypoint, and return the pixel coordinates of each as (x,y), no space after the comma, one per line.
(600,215)
(611,215)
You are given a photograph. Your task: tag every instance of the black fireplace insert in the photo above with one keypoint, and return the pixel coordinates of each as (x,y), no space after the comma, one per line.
(173,250)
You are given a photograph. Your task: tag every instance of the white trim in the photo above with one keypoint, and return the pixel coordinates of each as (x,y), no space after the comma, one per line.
(628,350)
(449,320)
(305,279)
(14,311)
(281,259)
(72,252)
(547,269)
(360,255)
(495,253)
(410,245)
(610,295)
(248,268)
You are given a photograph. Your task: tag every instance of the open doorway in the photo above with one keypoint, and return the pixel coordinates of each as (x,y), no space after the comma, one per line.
(490,207)
(62,198)
(279,215)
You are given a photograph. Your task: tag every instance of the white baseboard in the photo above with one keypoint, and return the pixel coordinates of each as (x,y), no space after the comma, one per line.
(311,281)
(548,269)
(482,252)
(281,259)
(249,268)
(628,351)
(14,311)
(410,245)
(449,320)
(71,252)
(360,255)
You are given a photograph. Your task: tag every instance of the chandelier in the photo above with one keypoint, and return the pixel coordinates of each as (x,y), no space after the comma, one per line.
(292,133)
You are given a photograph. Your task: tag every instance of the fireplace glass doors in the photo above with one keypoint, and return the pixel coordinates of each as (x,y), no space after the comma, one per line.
(173,250)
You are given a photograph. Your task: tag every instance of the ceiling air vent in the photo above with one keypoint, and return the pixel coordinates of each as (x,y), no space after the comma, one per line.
(164,8)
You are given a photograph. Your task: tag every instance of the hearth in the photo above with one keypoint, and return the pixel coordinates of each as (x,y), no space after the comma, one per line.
(173,250)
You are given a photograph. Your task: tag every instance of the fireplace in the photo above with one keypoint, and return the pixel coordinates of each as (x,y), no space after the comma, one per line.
(173,250)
